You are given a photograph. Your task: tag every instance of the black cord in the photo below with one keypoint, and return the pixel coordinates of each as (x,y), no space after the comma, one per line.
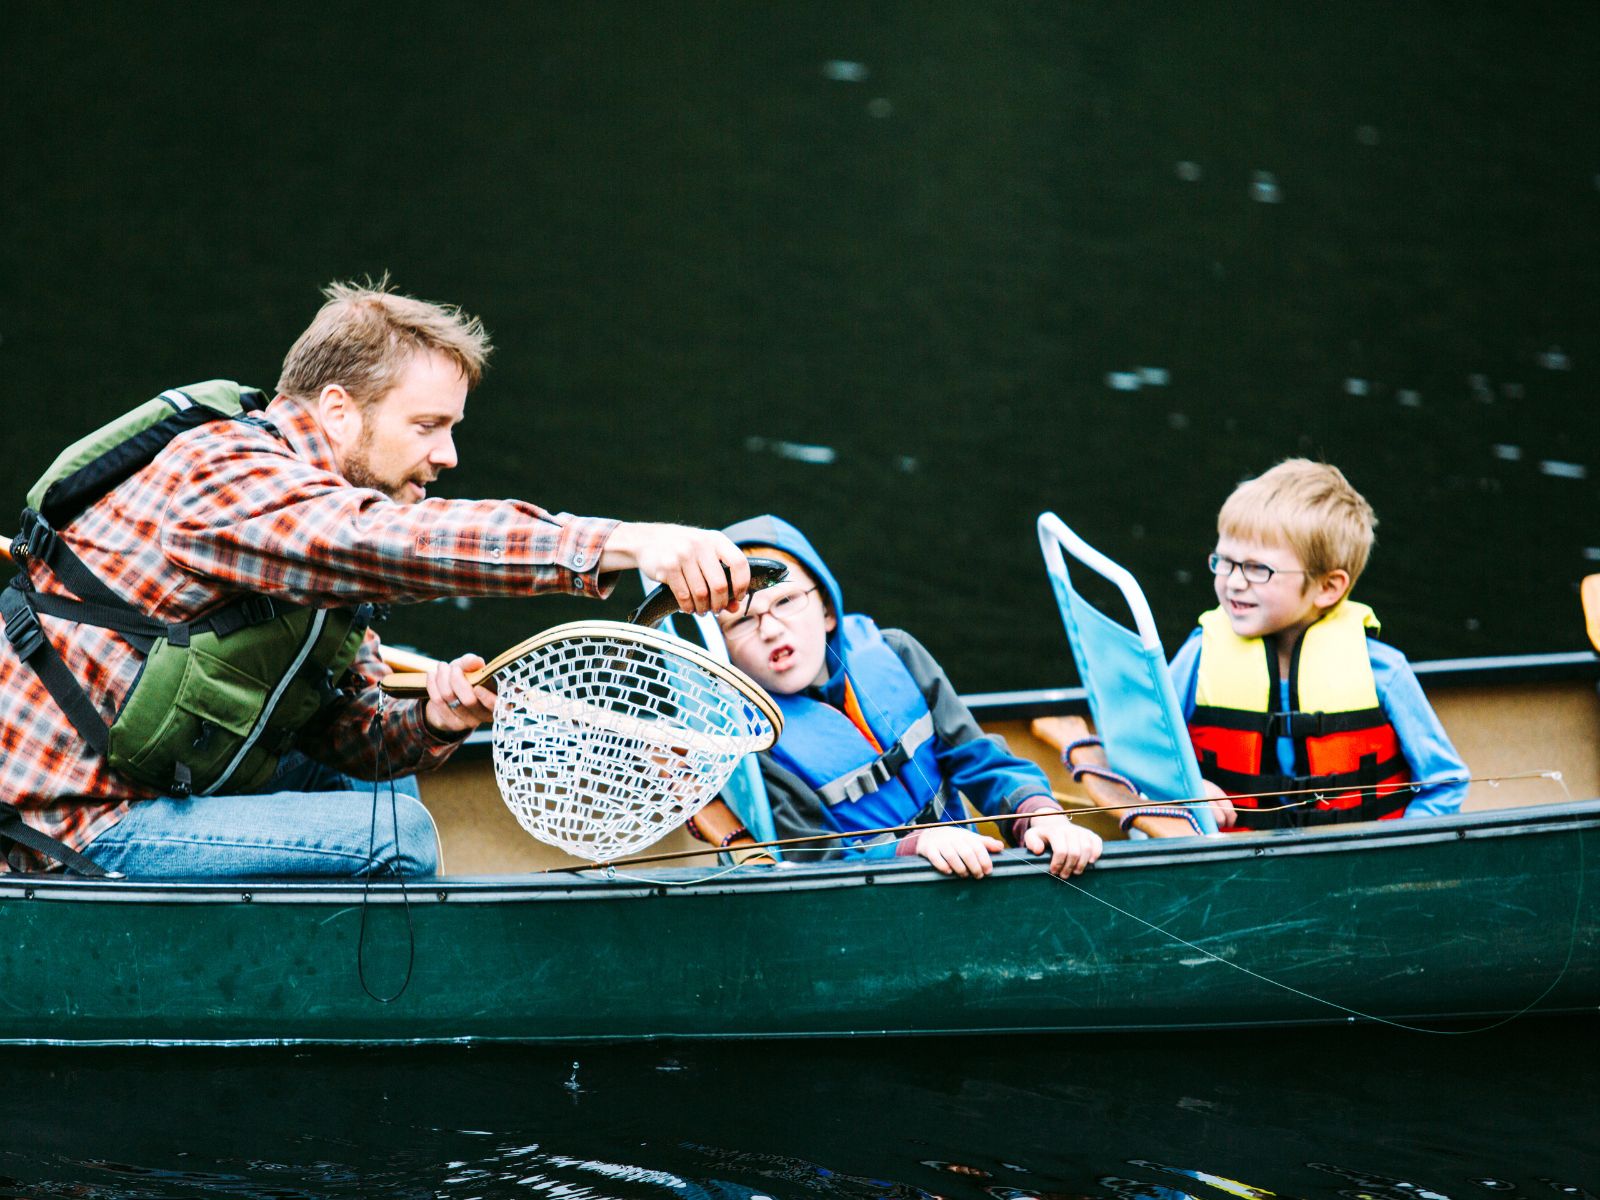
(381,767)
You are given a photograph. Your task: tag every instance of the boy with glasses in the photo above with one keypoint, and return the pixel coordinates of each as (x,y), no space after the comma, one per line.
(1295,709)
(874,734)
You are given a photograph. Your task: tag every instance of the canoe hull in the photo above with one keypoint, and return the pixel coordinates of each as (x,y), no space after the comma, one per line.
(1465,918)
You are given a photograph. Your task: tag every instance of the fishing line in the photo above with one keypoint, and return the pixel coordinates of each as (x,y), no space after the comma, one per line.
(1572,943)
(936,792)
(613,873)
(382,768)
(1312,795)
(966,822)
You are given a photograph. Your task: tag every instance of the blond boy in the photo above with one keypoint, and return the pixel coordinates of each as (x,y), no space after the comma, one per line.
(1296,710)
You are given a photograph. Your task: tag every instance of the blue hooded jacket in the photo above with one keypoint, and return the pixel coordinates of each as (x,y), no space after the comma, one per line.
(932,748)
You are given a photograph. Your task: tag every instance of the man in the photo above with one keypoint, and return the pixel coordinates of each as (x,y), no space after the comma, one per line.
(319,503)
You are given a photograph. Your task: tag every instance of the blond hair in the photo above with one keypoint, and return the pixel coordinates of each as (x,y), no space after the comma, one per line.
(1309,507)
(365,335)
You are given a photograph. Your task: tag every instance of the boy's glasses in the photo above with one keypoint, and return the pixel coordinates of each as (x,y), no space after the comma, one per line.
(1253,572)
(786,608)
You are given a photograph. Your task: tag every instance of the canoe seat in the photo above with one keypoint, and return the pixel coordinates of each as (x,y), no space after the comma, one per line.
(1131,697)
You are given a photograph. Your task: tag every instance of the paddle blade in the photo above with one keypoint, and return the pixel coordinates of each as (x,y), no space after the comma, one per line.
(1591,608)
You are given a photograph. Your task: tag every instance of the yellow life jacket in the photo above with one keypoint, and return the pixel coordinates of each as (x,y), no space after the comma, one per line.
(1348,761)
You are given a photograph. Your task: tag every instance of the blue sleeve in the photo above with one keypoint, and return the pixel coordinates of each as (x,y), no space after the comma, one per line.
(1423,741)
(1186,673)
(995,780)
(976,764)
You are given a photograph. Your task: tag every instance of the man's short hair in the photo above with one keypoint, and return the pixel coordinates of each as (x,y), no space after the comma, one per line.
(1309,507)
(365,335)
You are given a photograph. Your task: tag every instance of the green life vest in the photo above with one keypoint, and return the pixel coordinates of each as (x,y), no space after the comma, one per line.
(220,698)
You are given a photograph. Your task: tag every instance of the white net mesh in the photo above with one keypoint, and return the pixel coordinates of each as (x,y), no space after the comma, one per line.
(602,745)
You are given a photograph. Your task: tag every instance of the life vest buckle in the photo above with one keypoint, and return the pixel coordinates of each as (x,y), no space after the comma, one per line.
(34,538)
(22,625)
(1296,725)
(246,613)
(258,609)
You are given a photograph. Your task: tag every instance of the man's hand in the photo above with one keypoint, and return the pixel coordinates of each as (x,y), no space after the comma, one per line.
(961,852)
(1071,849)
(454,705)
(706,572)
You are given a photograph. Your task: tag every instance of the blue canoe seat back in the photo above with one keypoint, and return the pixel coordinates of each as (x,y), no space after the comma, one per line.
(745,792)
(1131,697)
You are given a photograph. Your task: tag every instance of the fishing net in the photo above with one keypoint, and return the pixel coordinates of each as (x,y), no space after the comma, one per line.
(608,736)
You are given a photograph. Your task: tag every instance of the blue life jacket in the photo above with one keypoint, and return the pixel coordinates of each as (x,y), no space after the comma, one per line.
(861,788)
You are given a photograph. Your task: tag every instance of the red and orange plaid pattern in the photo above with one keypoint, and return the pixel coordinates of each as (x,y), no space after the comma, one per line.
(231,508)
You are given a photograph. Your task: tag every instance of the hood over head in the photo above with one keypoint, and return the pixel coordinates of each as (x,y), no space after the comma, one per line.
(780,535)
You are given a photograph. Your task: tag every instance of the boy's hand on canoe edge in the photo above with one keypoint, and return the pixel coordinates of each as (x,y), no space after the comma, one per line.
(961,852)
(705,570)
(1071,848)
(456,707)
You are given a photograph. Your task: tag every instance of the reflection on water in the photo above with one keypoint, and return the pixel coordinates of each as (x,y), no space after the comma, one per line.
(1354,1114)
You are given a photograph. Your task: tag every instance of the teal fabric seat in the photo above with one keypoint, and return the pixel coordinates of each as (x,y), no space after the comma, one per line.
(1131,697)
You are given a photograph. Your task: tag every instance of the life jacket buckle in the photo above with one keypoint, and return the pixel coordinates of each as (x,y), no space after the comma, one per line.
(22,625)
(1296,724)
(257,609)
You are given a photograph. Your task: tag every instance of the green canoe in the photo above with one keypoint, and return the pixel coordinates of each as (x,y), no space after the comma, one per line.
(1470,918)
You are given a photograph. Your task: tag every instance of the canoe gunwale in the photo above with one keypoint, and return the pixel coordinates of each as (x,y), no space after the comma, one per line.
(1555,667)
(664,882)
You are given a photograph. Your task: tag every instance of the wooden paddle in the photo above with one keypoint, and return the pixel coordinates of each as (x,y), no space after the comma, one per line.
(1590,591)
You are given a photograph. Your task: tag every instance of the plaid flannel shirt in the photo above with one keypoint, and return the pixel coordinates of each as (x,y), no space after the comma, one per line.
(233,508)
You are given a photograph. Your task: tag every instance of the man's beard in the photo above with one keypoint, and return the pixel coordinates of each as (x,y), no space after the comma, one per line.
(358,469)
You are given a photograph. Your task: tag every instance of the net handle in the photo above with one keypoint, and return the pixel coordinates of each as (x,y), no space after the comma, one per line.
(413,685)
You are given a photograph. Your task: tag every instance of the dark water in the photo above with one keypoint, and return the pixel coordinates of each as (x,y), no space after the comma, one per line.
(1106,258)
(1352,1114)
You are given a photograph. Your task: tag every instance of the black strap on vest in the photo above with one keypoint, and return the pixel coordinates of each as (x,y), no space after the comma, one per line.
(14,829)
(33,648)
(98,605)
(1295,725)
(1366,778)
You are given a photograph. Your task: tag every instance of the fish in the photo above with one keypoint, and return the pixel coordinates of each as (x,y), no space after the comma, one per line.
(661,603)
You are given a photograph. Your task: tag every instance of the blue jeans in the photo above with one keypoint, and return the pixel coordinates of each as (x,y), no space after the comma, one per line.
(308,820)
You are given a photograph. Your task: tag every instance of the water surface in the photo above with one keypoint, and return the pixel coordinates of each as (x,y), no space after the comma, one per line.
(1334,1114)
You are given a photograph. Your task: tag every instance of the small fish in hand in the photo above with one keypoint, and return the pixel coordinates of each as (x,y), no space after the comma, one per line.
(661,603)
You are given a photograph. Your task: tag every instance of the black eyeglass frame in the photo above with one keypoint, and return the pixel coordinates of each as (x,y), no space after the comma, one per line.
(1253,572)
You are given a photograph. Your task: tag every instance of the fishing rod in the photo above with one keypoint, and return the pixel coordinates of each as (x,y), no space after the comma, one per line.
(1311,796)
